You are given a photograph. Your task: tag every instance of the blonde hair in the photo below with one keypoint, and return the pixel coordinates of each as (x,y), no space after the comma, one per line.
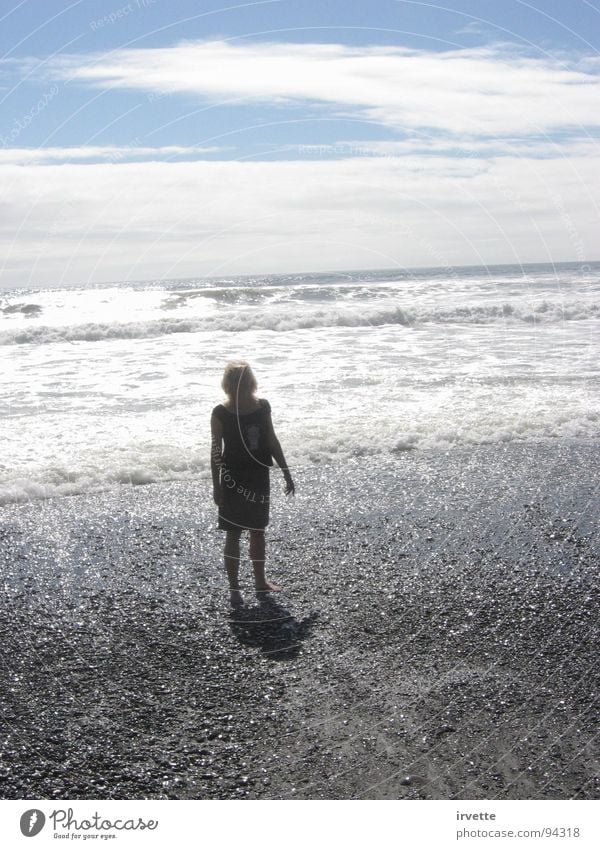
(238,377)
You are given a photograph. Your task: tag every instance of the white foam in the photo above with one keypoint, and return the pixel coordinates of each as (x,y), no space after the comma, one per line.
(111,387)
(348,439)
(300,317)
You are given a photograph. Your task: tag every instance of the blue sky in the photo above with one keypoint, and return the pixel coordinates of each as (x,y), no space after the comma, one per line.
(152,139)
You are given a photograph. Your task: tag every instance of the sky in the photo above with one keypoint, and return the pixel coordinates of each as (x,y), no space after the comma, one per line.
(152,140)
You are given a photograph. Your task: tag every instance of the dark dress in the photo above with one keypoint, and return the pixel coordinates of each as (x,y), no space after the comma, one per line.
(245,468)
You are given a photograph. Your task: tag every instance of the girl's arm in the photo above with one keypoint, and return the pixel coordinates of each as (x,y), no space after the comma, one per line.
(216,458)
(277,452)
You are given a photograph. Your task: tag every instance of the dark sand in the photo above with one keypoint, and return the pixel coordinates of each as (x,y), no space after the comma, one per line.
(437,637)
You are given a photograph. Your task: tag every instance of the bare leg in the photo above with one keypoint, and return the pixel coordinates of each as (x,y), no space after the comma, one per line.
(232,565)
(257,555)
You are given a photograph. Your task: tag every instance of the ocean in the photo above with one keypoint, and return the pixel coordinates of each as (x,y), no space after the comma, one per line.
(109,385)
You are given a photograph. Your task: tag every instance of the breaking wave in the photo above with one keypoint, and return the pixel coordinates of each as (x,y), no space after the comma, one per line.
(298,317)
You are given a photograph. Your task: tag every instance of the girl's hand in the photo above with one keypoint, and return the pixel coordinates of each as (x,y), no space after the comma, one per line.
(290,489)
(218,495)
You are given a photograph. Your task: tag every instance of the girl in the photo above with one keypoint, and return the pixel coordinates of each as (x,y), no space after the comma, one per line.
(243,447)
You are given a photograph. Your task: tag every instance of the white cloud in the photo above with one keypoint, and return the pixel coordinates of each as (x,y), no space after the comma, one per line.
(113,153)
(457,147)
(76,223)
(478,91)
(496,163)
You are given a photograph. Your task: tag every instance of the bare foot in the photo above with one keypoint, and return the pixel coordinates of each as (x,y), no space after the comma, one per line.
(267,587)
(235,598)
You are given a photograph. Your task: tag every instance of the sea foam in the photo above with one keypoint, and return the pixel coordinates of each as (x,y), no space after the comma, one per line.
(292,317)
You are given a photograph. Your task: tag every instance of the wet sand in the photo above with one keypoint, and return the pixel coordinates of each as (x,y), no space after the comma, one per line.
(436,638)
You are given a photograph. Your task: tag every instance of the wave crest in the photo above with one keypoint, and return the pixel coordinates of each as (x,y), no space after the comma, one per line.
(294,317)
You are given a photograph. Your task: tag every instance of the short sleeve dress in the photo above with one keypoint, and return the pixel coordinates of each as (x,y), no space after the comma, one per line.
(245,468)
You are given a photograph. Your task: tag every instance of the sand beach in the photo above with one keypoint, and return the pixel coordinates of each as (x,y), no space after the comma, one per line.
(436,637)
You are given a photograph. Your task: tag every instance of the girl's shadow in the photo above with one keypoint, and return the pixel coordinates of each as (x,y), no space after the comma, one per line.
(270,627)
